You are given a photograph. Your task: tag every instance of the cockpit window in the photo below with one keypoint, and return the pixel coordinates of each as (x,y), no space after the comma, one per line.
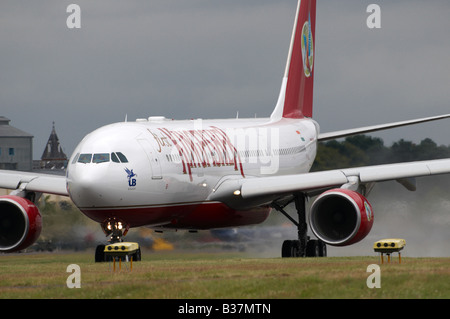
(122,157)
(75,158)
(114,158)
(85,158)
(100,158)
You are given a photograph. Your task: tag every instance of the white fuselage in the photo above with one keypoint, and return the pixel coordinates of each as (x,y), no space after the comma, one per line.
(159,172)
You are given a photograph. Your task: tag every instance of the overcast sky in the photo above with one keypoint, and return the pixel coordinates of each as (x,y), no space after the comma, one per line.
(212,58)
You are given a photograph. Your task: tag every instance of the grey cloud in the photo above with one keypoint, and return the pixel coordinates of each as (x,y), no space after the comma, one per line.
(210,59)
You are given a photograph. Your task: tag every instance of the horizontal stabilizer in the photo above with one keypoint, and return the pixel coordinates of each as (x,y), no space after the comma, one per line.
(380,127)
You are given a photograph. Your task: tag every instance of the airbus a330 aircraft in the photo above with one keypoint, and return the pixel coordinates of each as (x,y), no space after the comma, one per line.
(206,174)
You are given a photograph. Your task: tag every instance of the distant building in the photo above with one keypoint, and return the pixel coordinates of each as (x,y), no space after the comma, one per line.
(16,147)
(53,156)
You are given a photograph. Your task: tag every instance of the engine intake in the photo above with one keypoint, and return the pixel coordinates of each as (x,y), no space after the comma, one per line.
(20,223)
(341,217)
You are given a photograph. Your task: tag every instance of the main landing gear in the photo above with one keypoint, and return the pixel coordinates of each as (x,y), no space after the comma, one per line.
(116,229)
(303,246)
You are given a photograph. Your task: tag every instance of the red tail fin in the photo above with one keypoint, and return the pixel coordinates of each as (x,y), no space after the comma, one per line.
(296,96)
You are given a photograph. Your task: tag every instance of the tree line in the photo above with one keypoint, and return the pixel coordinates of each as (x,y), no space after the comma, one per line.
(363,150)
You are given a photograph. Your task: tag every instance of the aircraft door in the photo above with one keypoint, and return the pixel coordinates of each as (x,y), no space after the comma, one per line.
(153,158)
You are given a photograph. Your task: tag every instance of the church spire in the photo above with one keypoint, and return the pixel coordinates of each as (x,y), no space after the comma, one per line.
(53,155)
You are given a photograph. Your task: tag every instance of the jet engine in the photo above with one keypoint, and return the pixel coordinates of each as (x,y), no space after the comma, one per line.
(20,223)
(341,217)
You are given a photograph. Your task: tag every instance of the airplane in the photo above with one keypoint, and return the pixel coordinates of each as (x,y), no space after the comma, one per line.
(211,174)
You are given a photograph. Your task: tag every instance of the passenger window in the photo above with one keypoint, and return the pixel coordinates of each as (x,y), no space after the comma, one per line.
(85,158)
(122,157)
(100,158)
(114,158)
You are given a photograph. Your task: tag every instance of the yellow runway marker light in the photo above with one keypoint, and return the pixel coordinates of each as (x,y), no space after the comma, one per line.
(389,246)
(121,250)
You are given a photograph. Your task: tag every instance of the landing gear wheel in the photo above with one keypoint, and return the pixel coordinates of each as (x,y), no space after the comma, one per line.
(316,248)
(137,255)
(100,254)
(290,248)
(322,249)
(312,248)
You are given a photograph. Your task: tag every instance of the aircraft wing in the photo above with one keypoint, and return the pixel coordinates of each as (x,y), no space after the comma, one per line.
(373,128)
(246,192)
(33,182)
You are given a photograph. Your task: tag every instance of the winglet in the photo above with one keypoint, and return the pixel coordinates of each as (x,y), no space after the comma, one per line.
(296,94)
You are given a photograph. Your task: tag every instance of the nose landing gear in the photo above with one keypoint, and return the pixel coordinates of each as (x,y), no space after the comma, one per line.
(115,228)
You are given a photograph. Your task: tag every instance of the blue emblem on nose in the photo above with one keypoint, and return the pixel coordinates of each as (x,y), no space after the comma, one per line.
(130,176)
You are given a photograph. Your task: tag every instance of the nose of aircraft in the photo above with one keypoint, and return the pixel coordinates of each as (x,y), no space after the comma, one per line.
(97,169)
(86,186)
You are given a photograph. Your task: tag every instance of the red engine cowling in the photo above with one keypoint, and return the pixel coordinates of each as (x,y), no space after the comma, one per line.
(341,217)
(20,223)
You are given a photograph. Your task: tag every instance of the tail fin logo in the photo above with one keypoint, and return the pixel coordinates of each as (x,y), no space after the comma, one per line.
(307,48)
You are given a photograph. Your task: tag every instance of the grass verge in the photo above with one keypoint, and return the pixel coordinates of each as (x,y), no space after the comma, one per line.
(179,275)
